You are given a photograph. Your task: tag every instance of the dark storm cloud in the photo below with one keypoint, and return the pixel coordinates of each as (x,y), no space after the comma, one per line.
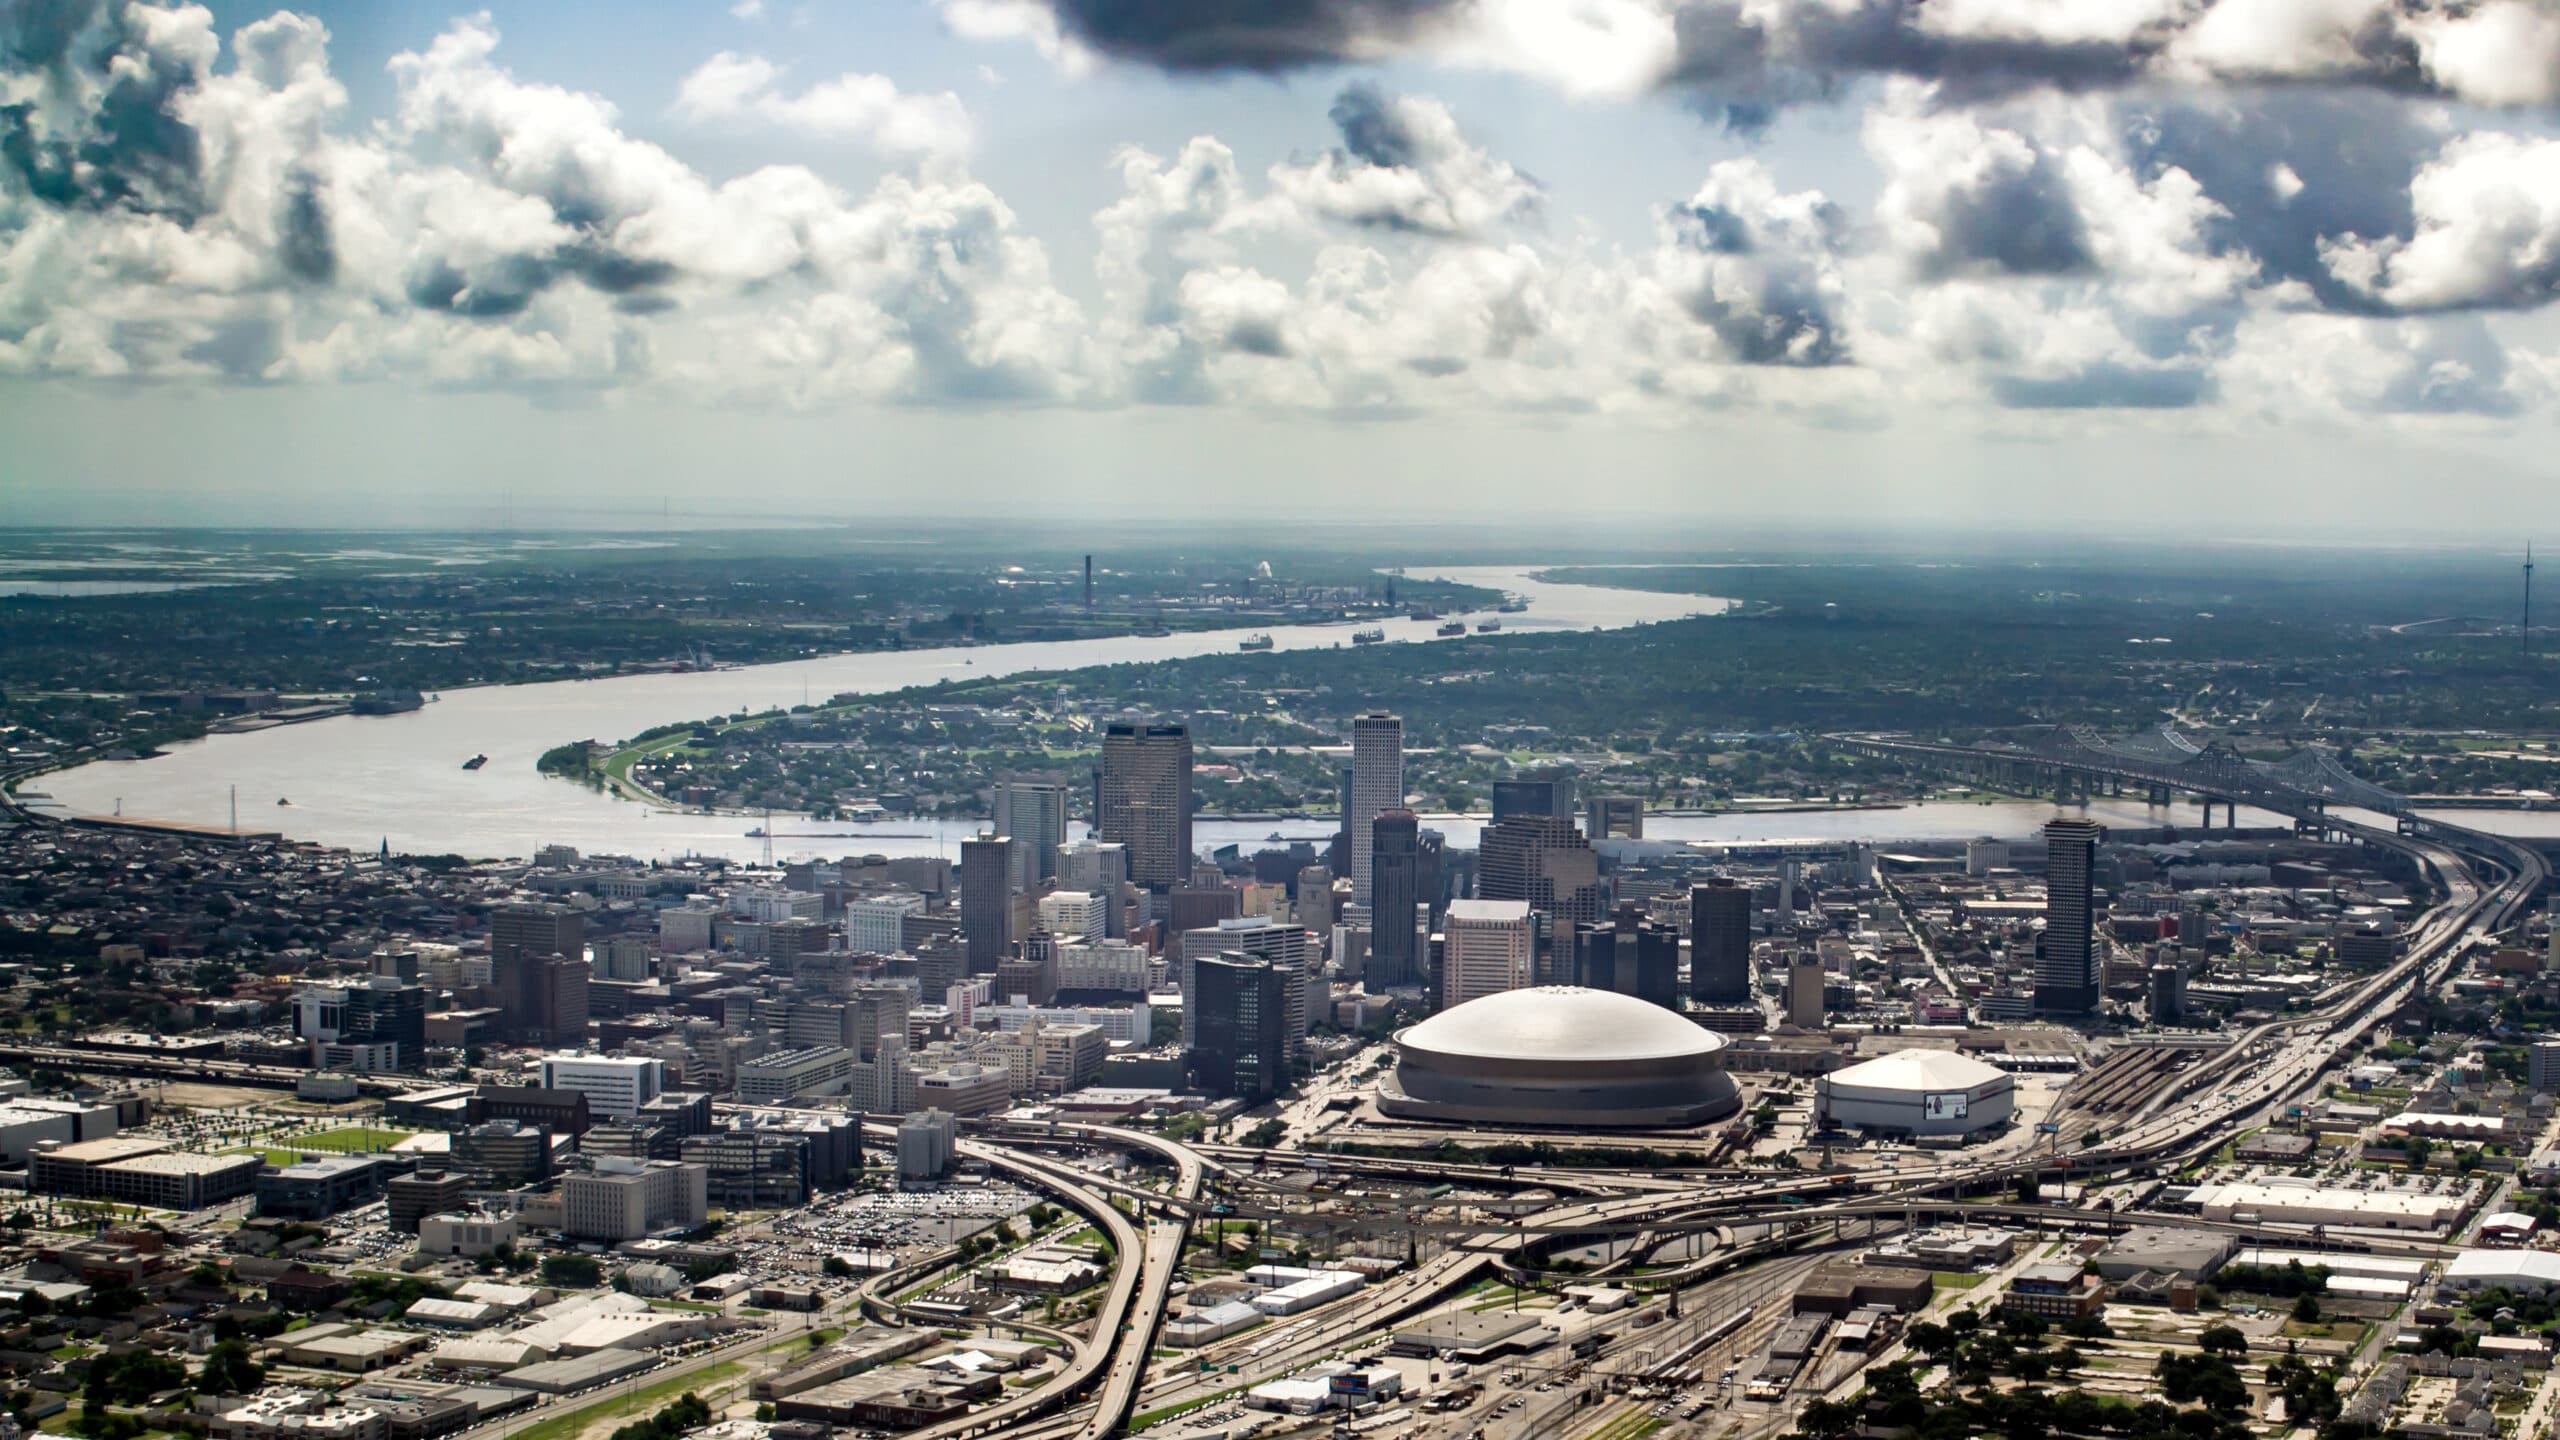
(123,147)
(1371,128)
(1734,69)
(504,287)
(1737,63)
(40,34)
(609,270)
(495,290)
(1785,324)
(2017,222)
(1257,35)
(307,243)
(1712,228)
(1764,296)
(2353,156)
(1258,337)
(2106,386)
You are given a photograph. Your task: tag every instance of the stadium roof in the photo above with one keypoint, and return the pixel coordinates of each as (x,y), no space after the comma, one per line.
(1561,1022)
(1918,1070)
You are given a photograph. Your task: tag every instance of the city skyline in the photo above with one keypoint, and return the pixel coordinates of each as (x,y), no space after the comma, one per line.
(2189,254)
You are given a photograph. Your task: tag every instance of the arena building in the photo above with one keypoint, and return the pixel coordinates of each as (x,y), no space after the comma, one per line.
(1917,1092)
(1559,1055)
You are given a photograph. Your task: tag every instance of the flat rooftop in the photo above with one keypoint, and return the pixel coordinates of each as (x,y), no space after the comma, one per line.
(107,1151)
(1465,1330)
(179,1162)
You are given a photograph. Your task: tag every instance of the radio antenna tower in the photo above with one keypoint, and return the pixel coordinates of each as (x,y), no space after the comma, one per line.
(2526,634)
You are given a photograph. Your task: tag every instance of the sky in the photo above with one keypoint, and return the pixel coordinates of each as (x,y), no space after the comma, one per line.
(2132,266)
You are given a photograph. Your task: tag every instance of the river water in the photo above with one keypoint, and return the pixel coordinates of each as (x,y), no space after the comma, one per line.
(358,781)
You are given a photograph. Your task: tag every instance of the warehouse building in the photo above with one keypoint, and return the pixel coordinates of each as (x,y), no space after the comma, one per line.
(2282,1204)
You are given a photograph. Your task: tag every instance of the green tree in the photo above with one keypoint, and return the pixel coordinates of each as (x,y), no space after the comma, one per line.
(572,1271)
(230,1370)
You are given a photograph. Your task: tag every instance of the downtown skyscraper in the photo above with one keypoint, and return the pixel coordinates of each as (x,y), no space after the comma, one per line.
(1034,813)
(1142,800)
(2067,954)
(1377,786)
(1720,943)
(1396,901)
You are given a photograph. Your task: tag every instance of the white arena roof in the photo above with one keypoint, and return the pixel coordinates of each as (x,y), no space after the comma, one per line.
(1561,1022)
(1917,1071)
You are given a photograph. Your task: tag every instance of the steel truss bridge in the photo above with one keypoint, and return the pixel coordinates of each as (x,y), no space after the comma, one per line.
(2071,762)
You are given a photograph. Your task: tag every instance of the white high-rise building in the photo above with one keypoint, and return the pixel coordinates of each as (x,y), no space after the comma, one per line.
(615,1088)
(1034,813)
(875,924)
(1488,946)
(771,903)
(1114,965)
(1377,786)
(1072,916)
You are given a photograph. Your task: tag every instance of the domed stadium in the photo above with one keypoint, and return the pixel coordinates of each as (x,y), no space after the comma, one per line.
(1917,1092)
(1559,1055)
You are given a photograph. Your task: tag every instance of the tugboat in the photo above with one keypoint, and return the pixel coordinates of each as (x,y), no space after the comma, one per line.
(1254,642)
(475,762)
(1487,627)
(282,801)
(1367,637)
(1454,627)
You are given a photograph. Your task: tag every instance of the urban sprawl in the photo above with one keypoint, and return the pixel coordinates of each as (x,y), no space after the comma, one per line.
(2209,1128)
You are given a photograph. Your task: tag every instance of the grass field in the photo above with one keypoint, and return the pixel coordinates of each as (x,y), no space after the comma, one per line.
(351,1140)
(642,1402)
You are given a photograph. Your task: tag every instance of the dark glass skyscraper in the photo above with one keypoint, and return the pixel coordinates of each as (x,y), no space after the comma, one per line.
(1720,943)
(986,900)
(1395,896)
(1240,1047)
(1631,955)
(2067,954)
(1551,797)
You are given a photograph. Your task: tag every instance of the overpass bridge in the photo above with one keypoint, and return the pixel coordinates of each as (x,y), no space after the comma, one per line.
(2073,762)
